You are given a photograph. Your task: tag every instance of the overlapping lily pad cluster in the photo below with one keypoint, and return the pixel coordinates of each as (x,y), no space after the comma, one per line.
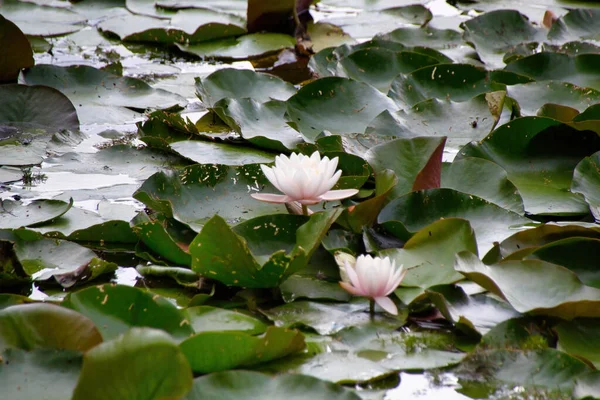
(469,144)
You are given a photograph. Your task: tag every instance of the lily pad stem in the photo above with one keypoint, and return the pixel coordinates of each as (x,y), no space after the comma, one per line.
(304,209)
(372,307)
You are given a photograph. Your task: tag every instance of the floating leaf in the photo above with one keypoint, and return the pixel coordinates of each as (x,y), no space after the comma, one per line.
(524,284)
(41,21)
(241,48)
(586,180)
(261,252)
(16,49)
(239,84)
(213,319)
(113,369)
(17,215)
(55,373)
(219,351)
(39,325)
(537,163)
(196,193)
(414,211)
(251,385)
(117,308)
(579,338)
(429,254)
(337,105)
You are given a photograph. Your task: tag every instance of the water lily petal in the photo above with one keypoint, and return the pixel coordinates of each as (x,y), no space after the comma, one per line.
(387,304)
(350,289)
(271,197)
(338,194)
(354,279)
(270,175)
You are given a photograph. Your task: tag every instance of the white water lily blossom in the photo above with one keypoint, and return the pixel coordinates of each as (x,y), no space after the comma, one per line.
(375,278)
(307,180)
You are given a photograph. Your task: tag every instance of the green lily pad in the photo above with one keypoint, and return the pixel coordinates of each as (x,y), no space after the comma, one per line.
(587,385)
(17,215)
(55,371)
(117,308)
(547,368)
(410,159)
(337,105)
(495,32)
(298,287)
(369,23)
(378,66)
(213,319)
(363,354)
(261,252)
(220,153)
(537,163)
(579,338)
(484,179)
(532,96)
(529,240)
(461,122)
(524,284)
(330,318)
(457,82)
(66,261)
(262,124)
(239,84)
(425,36)
(196,193)
(480,313)
(586,180)
(219,351)
(573,254)
(95,92)
(429,254)
(414,211)
(188,27)
(164,238)
(40,325)
(252,385)
(577,24)
(41,21)
(122,361)
(581,70)
(17,49)
(244,47)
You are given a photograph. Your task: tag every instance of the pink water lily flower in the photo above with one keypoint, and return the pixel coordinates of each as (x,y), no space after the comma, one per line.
(375,278)
(307,180)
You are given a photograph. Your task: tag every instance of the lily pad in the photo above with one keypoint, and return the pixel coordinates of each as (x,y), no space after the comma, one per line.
(55,371)
(414,211)
(586,180)
(164,238)
(92,90)
(241,48)
(220,153)
(457,82)
(495,32)
(196,193)
(261,252)
(17,49)
(425,36)
(577,24)
(66,261)
(581,70)
(219,351)
(537,163)
(524,284)
(532,96)
(140,352)
(252,385)
(484,179)
(39,325)
(41,21)
(329,318)
(188,27)
(213,319)
(411,160)
(297,287)
(337,105)
(262,124)
(239,84)
(429,254)
(17,215)
(117,308)
(579,338)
